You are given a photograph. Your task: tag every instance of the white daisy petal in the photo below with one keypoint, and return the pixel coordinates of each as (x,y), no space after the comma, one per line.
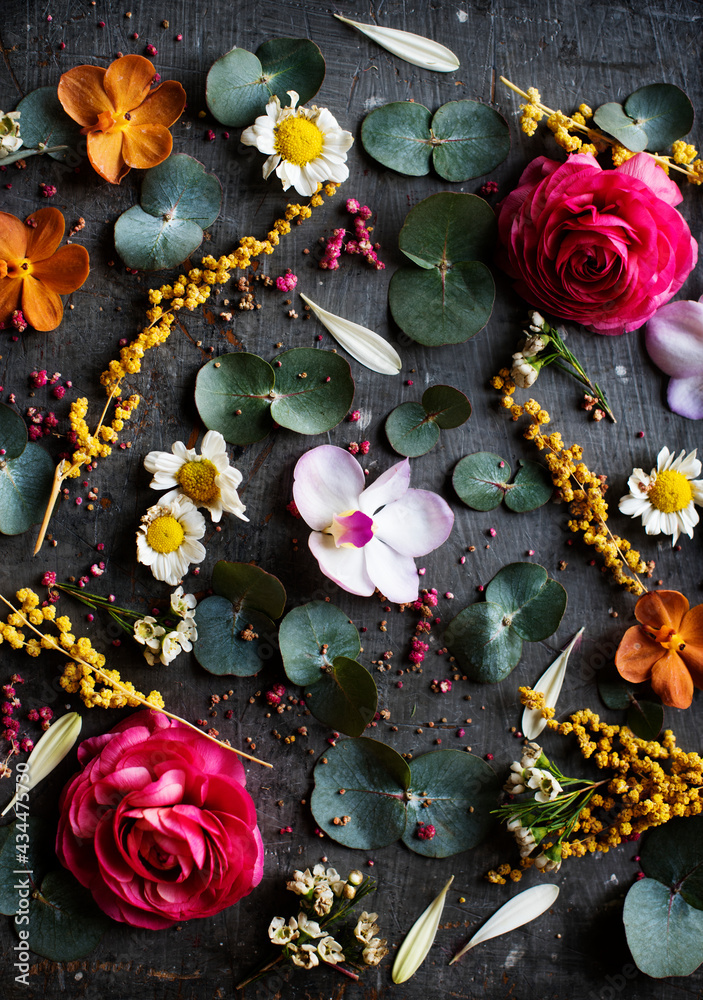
(666,499)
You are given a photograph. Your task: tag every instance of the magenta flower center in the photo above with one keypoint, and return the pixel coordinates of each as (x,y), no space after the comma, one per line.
(352,529)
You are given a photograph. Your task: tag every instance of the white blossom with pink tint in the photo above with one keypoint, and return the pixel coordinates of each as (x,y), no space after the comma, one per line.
(365,538)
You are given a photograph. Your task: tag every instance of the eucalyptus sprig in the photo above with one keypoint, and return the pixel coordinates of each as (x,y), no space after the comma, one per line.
(543,346)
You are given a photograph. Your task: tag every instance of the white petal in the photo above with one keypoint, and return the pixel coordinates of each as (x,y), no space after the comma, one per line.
(345,566)
(549,684)
(412,48)
(519,910)
(394,574)
(416,524)
(363,344)
(270,165)
(633,506)
(419,939)
(327,481)
(390,486)
(48,752)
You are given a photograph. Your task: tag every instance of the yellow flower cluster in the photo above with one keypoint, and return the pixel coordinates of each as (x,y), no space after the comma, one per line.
(642,792)
(188,291)
(502,873)
(78,676)
(582,489)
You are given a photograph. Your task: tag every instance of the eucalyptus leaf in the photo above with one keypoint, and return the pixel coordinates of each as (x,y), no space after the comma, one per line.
(522,603)
(436,307)
(13,433)
(179,199)
(311,637)
(464,139)
(615,692)
(481,480)
(240,84)
(611,118)
(241,395)
(246,599)
(664,933)
(645,719)
(410,431)
(383,797)
(44,121)
(673,854)
(398,135)
(447,406)
(25,487)
(344,697)
(531,488)
(64,923)
(451,298)
(663,111)
(28,846)
(374,778)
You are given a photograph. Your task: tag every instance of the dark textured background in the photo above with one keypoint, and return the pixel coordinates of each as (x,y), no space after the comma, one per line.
(572,52)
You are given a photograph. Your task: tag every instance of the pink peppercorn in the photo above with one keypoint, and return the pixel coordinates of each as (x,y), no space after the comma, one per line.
(354,416)
(425,832)
(492,532)
(90,617)
(460,733)
(210,135)
(58,392)
(62,45)
(364,447)
(179,38)
(410,382)
(286,282)
(399,684)
(135,35)
(151,50)
(489,756)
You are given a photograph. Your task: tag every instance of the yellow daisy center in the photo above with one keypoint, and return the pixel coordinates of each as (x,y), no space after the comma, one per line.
(298,140)
(165,534)
(671,492)
(198,481)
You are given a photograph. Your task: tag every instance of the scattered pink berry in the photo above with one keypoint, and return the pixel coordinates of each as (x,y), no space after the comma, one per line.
(287,282)
(210,135)
(425,832)
(151,50)
(58,392)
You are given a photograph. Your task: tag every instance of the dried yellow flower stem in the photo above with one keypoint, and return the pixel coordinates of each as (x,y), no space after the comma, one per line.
(595,134)
(133,695)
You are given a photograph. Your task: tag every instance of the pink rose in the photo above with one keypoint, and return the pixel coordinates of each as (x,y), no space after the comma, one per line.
(604,248)
(158,824)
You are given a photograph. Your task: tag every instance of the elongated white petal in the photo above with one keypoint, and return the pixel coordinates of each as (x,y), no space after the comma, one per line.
(50,751)
(519,910)
(420,938)
(412,48)
(550,685)
(365,346)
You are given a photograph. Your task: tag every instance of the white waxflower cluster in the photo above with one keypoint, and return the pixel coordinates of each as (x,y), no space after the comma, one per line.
(10,140)
(365,931)
(164,646)
(525,370)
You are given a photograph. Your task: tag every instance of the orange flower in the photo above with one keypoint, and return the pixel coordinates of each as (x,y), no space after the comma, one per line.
(34,272)
(666,647)
(126,122)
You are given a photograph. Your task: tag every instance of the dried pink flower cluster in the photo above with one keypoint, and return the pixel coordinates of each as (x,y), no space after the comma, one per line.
(360,245)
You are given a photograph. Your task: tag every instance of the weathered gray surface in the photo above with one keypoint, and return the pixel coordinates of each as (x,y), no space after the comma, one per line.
(573,52)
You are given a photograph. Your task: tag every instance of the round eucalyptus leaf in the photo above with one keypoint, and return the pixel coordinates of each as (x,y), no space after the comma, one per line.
(36,860)
(446,228)
(313,391)
(181,188)
(43,120)
(13,433)
(148,243)
(663,111)
(454,792)
(311,637)
(436,307)
(645,719)
(374,779)
(25,488)
(240,84)
(480,480)
(612,119)
(64,923)
(485,646)
(235,399)
(398,136)
(410,431)
(448,407)
(673,854)
(249,588)
(539,618)
(615,692)
(473,139)
(531,488)
(345,697)
(664,933)
(220,648)
(515,585)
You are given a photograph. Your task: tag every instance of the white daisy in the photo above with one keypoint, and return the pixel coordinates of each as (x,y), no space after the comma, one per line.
(207,479)
(305,146)
(167,539)
(665,499)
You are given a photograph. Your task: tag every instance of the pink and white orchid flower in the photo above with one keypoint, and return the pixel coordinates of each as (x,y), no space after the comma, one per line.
(365,538)
(675,344)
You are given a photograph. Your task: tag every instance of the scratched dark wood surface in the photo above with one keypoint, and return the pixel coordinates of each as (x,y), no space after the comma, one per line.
(573,52)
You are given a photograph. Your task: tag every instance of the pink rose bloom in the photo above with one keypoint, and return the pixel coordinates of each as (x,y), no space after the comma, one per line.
(604,248)
(158,824)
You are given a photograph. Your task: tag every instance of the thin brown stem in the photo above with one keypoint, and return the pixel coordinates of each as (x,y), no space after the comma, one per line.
(133,695)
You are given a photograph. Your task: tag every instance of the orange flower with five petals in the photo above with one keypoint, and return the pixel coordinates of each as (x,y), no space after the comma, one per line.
(666,647)
(34,272)
(126,122)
